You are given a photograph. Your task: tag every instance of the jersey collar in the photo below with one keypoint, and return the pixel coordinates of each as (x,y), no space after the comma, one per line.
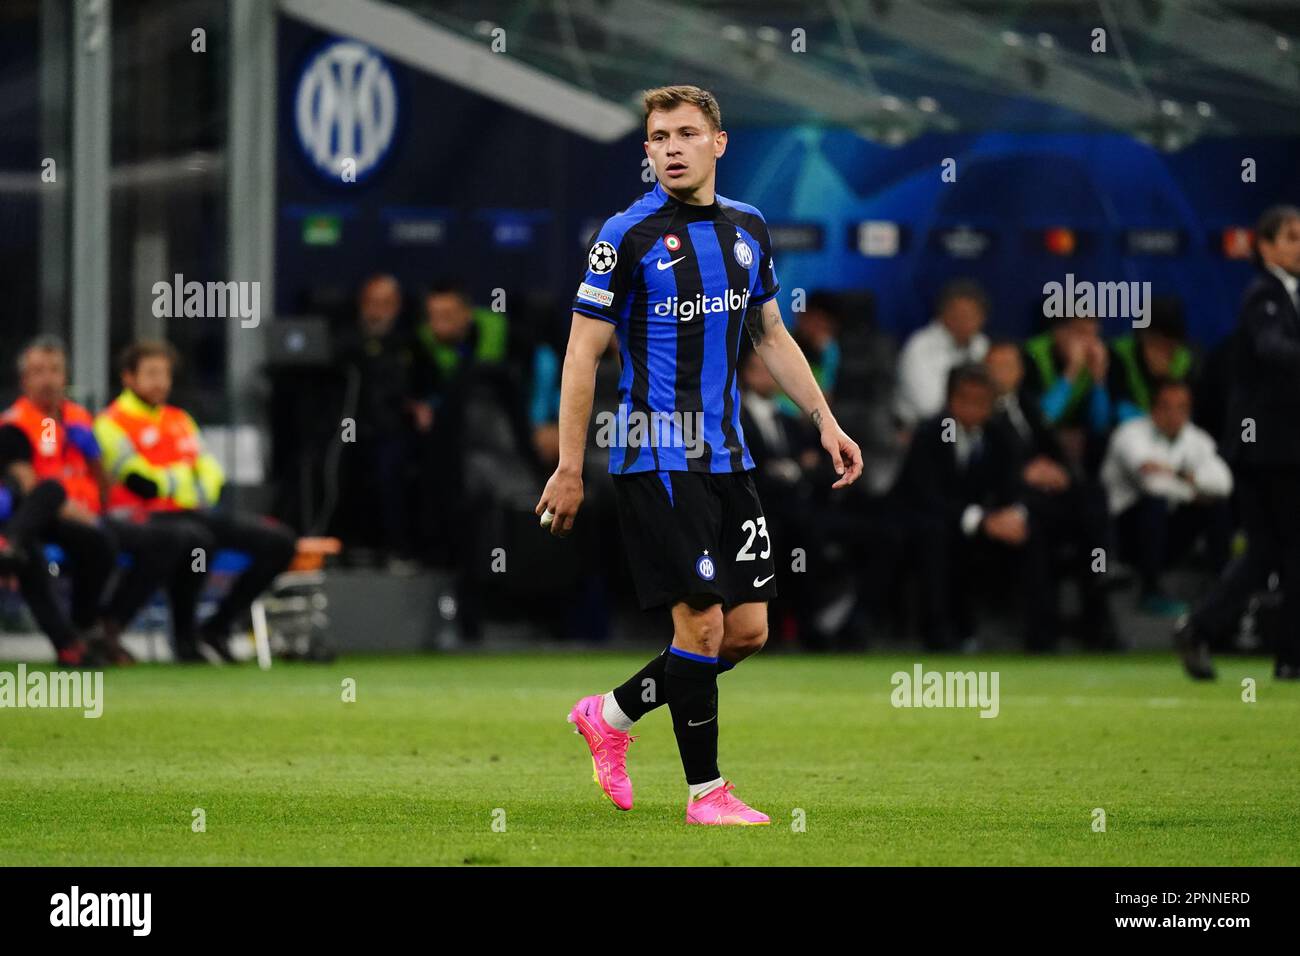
(665,196)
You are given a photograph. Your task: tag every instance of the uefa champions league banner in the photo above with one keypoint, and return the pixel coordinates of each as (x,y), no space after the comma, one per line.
(1019,211)
(384,167)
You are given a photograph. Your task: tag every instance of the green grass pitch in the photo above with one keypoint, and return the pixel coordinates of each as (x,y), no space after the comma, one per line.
(435,750)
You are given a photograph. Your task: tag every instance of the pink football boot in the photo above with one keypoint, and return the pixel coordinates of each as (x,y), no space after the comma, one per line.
(608,749)
(718,807)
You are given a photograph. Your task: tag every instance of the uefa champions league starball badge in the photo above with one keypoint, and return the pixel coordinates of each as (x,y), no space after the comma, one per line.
(602,257)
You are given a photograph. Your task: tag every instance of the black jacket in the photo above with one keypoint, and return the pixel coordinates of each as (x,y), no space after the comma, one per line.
(931,482)
(382,366)
(798,436)
(1265,377)
(1040,438)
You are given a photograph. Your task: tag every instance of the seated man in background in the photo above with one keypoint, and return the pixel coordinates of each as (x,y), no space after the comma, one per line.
(1147,356)
(1064,503)
(155,455)
(55,440)
(1066,369)
(1168,486)
(787,457)
(960,485)
(29,511)
(952,338)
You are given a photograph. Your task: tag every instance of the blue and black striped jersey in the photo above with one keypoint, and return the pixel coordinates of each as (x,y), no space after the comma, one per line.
(677,280)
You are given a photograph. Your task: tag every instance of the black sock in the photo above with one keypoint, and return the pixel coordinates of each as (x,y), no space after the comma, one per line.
(632,694)
(691,686)
(644,690)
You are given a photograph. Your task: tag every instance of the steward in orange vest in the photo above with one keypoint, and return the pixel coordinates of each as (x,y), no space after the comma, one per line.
(154,454)
(156,457)
(63,446)
(50,440)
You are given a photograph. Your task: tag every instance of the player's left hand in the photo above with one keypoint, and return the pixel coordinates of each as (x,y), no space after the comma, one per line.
(845,454)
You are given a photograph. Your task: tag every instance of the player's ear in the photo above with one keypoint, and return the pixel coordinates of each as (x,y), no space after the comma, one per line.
(719,144)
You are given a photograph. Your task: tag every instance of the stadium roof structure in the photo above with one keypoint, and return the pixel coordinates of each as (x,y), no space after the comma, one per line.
(1172,70)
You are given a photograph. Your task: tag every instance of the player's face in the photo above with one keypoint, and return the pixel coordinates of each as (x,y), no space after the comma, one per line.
(151,380)
(683,148)
(45,376)
(1171,410)
(971,405)
(1284,249)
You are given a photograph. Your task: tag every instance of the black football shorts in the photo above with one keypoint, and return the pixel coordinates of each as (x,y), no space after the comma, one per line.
(692,535)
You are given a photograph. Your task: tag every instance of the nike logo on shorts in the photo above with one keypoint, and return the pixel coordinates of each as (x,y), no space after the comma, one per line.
(759,582)
(700,723)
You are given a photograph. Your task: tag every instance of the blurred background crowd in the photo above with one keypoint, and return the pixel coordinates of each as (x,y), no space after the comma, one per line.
(411,188)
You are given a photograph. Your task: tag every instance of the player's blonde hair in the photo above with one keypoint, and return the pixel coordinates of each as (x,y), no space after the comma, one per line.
(669,97)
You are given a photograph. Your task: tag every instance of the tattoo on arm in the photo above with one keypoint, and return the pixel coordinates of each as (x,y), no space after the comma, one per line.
(756,324)
(817,418)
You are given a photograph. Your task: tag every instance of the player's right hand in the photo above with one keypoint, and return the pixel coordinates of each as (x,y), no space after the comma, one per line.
(562,497)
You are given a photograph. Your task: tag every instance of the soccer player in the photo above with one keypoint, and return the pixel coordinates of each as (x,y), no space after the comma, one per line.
(676,275)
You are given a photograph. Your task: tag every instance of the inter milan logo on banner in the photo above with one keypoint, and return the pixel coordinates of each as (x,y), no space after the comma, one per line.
(345,110)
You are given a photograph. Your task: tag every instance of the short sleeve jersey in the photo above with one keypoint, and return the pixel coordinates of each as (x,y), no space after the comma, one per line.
(677,280)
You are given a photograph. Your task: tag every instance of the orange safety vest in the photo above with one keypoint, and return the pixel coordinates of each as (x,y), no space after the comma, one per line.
(53,456)
(167,440)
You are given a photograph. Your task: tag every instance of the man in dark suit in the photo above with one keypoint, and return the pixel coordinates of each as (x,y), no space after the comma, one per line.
(1066,506)
(789,462)
(1261,442)
(849,547)
(960,485)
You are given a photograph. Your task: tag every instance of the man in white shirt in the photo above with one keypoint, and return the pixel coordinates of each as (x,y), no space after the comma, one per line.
(953,338)
(1168,486)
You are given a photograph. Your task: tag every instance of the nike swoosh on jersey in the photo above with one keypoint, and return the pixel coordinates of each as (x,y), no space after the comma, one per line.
(759,582)
(668,265)
(700,723)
